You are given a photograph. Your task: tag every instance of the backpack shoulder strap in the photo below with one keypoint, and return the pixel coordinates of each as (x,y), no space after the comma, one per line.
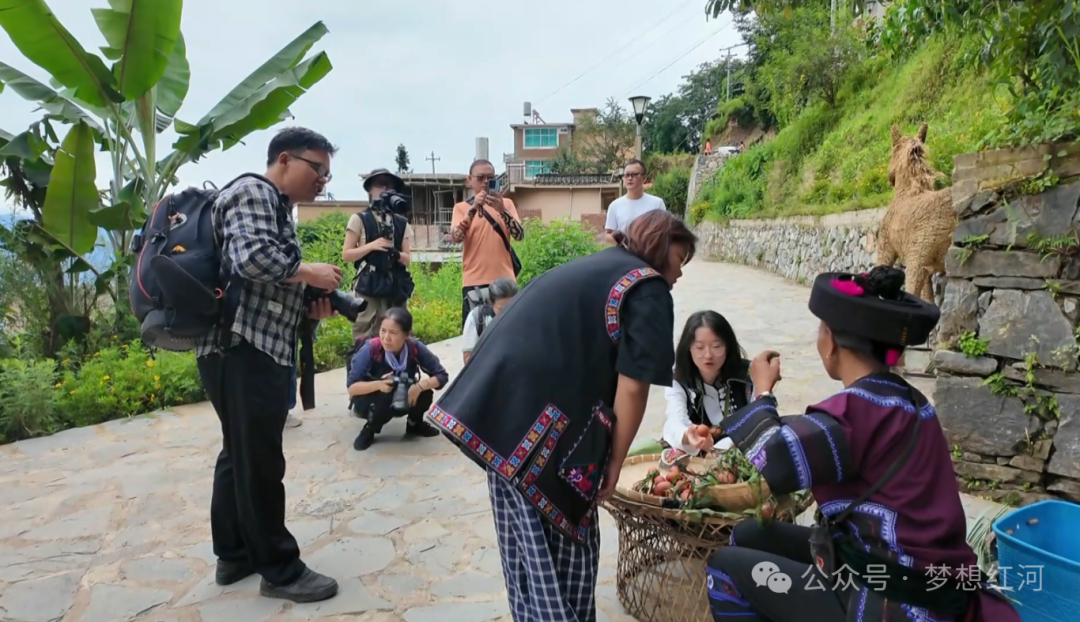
(375,347)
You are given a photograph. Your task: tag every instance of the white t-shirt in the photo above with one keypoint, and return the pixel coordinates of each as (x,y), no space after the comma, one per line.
(678,417)
(624,210)
(470,335)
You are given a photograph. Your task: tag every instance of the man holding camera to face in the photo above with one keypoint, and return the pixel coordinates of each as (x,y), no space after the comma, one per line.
(379,242)
(484,225)
(245,367)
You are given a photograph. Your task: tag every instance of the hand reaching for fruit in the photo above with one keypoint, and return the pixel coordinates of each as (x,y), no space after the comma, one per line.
(699,437)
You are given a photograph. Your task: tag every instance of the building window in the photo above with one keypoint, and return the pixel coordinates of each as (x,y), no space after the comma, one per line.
(541,138)
(535,167)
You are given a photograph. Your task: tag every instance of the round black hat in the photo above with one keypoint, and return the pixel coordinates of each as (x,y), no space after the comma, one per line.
(848,304)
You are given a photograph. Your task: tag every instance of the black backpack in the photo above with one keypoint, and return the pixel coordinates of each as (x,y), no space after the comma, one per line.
(177,289)
(486,315)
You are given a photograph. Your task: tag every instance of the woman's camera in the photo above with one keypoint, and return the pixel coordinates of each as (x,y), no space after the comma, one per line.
(402,382)
(346,306)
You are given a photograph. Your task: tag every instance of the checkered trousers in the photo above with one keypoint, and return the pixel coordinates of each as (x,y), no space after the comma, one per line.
(550,577)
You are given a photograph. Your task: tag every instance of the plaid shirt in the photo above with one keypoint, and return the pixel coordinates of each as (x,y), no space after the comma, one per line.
(255,222)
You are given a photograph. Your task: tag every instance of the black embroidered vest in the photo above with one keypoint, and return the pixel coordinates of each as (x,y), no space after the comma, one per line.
(534,401)
(738,392)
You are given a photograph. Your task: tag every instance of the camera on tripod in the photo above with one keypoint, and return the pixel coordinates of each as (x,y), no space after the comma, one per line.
(346,306)
(402,382)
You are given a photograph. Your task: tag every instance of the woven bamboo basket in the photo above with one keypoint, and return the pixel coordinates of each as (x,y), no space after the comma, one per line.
(727,497)
(660,575)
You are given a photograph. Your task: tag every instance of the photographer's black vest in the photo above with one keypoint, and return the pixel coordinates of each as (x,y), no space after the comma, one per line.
(534,401)
(373,271)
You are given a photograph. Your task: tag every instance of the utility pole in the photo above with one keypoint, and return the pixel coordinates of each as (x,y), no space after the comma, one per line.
(728,97)
(832,18)
(432,159)
(728,61)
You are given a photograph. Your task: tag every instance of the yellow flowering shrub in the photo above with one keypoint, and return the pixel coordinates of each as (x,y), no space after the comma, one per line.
(123,380)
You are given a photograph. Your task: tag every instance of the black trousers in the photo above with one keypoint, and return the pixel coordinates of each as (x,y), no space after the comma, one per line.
(249,391)
(377,406)
(737,592)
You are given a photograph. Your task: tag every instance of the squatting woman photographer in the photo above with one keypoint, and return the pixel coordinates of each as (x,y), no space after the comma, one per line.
(384,379)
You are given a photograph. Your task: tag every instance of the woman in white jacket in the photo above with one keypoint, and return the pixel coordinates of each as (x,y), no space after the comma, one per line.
(711,382)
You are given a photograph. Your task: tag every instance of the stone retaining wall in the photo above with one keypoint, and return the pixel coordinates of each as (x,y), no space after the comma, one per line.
(1008,390)
(797,247)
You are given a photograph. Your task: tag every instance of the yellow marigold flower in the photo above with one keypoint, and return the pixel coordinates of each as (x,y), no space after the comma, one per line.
(156,377)
(149,363)
(58,384)
(105,377)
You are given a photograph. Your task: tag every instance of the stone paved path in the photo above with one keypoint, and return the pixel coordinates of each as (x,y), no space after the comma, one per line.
(110,523)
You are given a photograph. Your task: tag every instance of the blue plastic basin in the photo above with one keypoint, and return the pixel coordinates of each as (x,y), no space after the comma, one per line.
(1039,560)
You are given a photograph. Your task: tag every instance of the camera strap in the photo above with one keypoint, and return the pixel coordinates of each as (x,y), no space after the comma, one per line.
(515,263)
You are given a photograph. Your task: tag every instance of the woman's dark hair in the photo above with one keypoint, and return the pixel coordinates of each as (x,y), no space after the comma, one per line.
(887,283)
(650,236)
(686,373)
(401,317)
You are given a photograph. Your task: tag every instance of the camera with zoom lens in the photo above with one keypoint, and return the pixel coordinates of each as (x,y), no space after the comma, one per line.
(392,201)
(402,382)
(346,306)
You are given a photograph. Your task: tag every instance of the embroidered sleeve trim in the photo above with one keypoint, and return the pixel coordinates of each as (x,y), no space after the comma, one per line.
(618,293)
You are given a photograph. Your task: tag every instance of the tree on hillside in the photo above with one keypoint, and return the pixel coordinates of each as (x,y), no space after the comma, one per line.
(604,142)
(675,122)
(714,8)
(402,159)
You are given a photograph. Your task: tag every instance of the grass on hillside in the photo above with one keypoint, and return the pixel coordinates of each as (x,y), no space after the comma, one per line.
(836,159)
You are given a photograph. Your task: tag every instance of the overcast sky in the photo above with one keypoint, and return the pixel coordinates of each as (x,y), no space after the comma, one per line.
(432,74)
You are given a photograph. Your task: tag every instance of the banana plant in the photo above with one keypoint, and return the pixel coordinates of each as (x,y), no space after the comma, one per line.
(29,161)
(124,108)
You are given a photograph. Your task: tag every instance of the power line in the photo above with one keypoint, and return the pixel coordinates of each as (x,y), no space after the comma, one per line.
(652,26)
(681,56)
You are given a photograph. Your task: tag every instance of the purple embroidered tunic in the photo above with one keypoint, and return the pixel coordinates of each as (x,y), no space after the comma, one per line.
(845,444)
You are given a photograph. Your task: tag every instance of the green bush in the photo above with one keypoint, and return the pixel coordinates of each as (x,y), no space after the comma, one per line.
(549,244)
(123,381)
(672,187)
(28,404)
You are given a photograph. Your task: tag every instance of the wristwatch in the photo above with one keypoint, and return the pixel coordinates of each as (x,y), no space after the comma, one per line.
(767,394)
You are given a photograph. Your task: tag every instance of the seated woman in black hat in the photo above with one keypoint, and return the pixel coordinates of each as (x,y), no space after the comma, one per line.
(551,400)
(891,537)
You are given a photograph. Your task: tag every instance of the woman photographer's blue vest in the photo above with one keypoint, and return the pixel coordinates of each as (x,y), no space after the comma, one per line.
(534,401)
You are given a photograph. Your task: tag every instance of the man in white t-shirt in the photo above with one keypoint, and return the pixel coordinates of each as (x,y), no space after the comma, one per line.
(634,203)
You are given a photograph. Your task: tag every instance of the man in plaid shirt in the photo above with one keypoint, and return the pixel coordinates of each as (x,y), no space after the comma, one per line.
(246,371)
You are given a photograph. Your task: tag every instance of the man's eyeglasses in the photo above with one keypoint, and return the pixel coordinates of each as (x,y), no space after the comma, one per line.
(317,167)
(632,174)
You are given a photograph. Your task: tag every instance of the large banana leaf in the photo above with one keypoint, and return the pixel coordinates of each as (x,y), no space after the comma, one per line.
(140,35)
(72,192)
(43,39)
(265,107)
(173,86)
(258,102)
(53,103)
(286,58)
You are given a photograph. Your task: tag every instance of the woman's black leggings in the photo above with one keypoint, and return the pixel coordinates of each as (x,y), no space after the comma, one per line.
(381,413)
(766,575)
